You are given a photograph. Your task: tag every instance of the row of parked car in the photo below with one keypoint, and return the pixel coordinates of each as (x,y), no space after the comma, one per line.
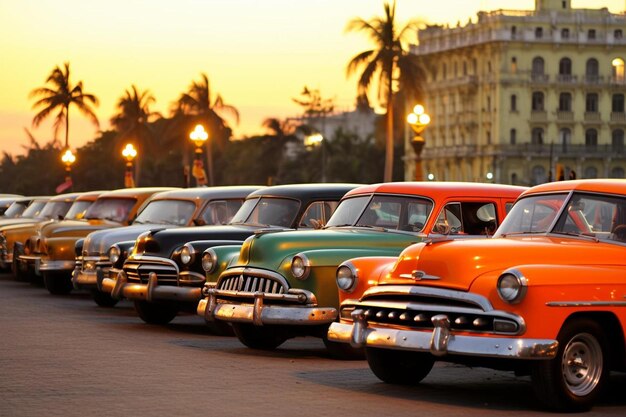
(404,274)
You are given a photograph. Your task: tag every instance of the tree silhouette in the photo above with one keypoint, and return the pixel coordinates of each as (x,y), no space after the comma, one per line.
(60,96)
(389,64)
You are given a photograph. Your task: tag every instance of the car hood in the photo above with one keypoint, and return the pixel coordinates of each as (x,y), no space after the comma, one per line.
(17,220)
(456,264)
(163,242)
(67,228)
(271,249)
(99,242)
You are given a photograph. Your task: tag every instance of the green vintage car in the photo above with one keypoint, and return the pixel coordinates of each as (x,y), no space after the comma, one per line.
(282,285)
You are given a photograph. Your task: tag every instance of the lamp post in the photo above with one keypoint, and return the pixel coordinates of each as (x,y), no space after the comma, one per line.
(129,153)
(68,158)
(418,120)
(313,141)
(199,137)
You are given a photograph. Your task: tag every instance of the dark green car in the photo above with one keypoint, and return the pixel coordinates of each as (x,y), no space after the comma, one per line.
(282,285)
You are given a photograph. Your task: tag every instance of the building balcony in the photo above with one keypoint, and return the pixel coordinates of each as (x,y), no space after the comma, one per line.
(593,79)
(561,151)
(564,116)
(618,81)
(538,116)
(539,78)
(592,117)
(566,78)
(457,151)
(618,117)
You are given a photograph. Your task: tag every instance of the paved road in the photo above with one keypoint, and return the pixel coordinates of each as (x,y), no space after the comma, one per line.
(64,356)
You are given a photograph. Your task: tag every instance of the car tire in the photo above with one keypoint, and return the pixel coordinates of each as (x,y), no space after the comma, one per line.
(103,299)
(18,274)
(261,338)
(399,366)
(156,313)
(57,283)
(574,379)
(343,351)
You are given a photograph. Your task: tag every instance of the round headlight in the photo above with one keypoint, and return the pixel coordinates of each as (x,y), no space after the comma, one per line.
(512,286)
(114,254)
(300,266)
(186,254)
(346,277)
(209,260)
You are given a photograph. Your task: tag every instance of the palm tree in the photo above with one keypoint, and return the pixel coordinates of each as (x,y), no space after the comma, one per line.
(132,120)
(389,64)
(279,128)
(60,96)
(196,102)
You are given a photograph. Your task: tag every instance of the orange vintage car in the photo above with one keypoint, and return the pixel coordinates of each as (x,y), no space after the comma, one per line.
(546,296)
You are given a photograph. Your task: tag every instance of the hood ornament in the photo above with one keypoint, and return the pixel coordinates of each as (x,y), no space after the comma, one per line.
(419,276)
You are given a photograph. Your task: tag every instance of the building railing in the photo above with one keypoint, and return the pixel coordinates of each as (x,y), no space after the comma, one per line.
(564,116)
(592,116)
(562,150)
(618,117)
(538,116)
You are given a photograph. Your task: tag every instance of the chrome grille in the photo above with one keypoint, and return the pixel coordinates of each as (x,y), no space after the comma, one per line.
(90,263)
(138,271)
(251,284)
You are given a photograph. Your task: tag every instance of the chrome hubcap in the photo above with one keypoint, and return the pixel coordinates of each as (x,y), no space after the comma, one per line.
(582,364)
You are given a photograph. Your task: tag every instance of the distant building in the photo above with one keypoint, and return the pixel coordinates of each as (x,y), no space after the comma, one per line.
(521,96)
(360,122)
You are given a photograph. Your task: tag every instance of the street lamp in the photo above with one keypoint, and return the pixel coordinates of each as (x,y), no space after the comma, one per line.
(68,158)
(313,141)
(199,137)
(129,153)
(418,120)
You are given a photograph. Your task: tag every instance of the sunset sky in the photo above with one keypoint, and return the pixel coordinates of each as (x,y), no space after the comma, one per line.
(258,54)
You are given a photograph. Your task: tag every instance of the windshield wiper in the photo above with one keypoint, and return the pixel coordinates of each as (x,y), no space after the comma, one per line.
(535,232)
(584,236)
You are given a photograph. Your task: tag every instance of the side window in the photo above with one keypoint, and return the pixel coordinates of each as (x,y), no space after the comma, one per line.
(449,220)
(220,211)
(317,214)
(508,207)
(469,218)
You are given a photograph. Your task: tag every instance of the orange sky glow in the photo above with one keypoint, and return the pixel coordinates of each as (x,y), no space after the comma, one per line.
(257,54)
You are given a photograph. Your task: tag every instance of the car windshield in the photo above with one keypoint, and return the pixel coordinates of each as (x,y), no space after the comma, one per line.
(387,211)
(114,209)
(78,209)
(534,214)
(220,211)
(267,211)
(174,212)
(16,209)
(33,209)
(54,210)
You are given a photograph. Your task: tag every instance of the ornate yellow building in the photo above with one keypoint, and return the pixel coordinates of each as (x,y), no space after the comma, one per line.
(524,97)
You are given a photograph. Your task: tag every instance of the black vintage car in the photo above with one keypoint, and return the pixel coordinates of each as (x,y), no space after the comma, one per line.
(163,272)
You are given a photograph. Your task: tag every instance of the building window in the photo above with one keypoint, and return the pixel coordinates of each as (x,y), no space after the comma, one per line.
(565,66)
(617,172)
(539,175)
(565,138)
(513,102)
(617,103)
(538,33)
(514,65)
(564,4)
(591,139)
(591,172)
(617,140)
(513,136)
(565,102)
(618,69)
(537,101)
(513,32)
(591,34)
(564,33)
(488,103)
(592,68)
(618,34)
(445,71)
(489,67)
(538,66)
(591,102)
(513,178)
(464,68)
(456,70)
(537,136)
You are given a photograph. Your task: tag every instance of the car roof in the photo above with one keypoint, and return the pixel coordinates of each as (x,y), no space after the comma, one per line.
(90,195)
(441,188)
(135,192)
(209,193)
(305,191)
(606,185)
(65,197)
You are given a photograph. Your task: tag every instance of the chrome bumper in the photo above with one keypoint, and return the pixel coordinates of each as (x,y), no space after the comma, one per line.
(440,341)
(83,279)
(33,261)
(261,314)
(46,265)
(119,288)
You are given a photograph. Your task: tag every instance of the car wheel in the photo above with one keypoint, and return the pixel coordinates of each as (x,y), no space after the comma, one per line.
(18,273)
(399,366)
(343,350)
(575,377)
(156,313)
(103,299)
(256,337)
(57,283)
